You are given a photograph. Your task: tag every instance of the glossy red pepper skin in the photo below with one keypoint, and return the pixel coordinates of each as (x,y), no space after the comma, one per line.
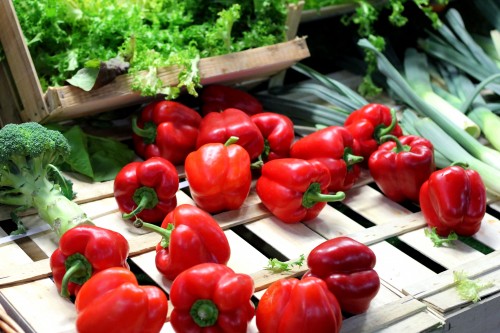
(191,236)
(295,190)
(83,251)
(454,199)
(219,176)
(347,268)
(368,124)
(298,306)
(217,98)
(278,133)
(211,298)
(155,181)
(399,170)
(112,301)
(218,127)
(167,129)
(335,147)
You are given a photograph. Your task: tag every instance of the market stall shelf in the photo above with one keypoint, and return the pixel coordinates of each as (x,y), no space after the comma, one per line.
(417,292)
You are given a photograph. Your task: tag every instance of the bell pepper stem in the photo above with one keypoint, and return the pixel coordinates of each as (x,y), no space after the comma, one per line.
(313,195)
(231,140)
(78,270)
(351,159)
(382,130)
(399,146)
(148,133)
(145,198)
(204,312)
(164,232)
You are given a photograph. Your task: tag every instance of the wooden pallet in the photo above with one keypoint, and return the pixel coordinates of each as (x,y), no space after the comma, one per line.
(414,296)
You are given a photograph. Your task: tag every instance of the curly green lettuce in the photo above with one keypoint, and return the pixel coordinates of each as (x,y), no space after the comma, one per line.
(68,35)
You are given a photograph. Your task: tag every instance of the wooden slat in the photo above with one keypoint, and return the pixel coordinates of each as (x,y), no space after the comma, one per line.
(386,316)
(21,65)
(42,308)
(69,102)
(449,300)
(10,106)
(444,280)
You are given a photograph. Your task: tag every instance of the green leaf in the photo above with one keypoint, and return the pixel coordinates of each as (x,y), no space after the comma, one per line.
(440,241)
(277,266)
(96,157)
(79,158)
(469,289)
(108,157)
(85,78)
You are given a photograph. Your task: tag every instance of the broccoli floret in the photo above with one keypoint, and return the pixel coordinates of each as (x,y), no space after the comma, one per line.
(28,152)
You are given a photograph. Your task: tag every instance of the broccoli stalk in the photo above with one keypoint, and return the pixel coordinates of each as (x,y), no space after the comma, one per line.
(28,152)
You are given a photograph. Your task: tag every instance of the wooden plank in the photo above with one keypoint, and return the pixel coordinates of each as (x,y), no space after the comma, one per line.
(69,102)
(386,316)
(333,10)
(10,106)
(444,280)
(396,268)
(41,306)
(373,205)
(21,65)
(489,233)
(449,300)
(446,256)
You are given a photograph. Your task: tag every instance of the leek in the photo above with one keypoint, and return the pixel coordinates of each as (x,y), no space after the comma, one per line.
(490,10)
(468,96)
(397,81)
(417,75)
(451,150)
(330,83)
(456,46)
(303,112)
(322,101)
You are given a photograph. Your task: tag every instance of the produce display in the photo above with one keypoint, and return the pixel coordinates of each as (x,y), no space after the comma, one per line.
(231,150)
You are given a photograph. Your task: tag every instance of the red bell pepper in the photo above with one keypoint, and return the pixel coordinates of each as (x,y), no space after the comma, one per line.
(167,129)
(218,127)
(219,176)
(295,190)
(298,306)
(369,123)
(453,199)
(217,98)
(400,166)
(337,149)
(346,266)
(112,301)
(83,251)
(211,298)
(147,190)
(278,133)
(190,236)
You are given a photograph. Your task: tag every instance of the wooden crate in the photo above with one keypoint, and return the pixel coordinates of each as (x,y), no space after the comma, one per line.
(22,98)
(414,296)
